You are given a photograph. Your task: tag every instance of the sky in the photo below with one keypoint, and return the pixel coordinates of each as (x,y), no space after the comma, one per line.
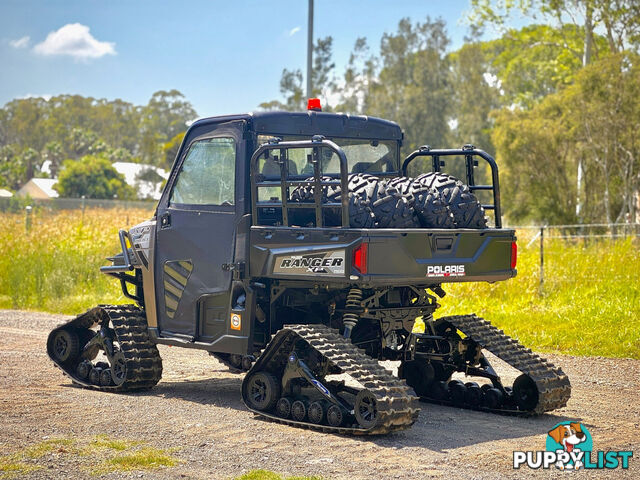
(224,56)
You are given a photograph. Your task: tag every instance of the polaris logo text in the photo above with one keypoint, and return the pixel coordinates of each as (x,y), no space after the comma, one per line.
(445,271)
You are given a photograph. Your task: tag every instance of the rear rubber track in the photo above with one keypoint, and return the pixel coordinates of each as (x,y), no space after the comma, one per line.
(397,405)
(143,362)
(554,388)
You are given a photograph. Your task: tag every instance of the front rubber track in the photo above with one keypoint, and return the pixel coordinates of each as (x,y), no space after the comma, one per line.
(143,362)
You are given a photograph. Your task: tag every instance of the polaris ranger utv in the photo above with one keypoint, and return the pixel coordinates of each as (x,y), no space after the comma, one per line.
(294,246)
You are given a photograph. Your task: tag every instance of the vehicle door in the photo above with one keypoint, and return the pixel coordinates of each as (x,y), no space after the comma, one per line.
(196,235)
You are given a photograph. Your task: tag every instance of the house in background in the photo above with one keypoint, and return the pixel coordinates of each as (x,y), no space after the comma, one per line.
(5,193)
(147,180)
(39,188)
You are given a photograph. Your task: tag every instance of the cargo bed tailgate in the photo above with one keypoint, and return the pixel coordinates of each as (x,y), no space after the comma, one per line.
(384,256)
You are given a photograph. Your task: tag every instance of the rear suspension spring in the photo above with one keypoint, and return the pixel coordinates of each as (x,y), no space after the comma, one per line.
(353,308)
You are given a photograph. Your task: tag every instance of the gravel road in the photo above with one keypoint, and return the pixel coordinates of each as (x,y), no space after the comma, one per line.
(196,409)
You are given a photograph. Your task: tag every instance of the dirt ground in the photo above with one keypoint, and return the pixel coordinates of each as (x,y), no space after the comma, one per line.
(197,410)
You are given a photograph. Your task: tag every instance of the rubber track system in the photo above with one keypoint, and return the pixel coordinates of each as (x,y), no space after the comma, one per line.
(398,407)
(554,388)
(143,362)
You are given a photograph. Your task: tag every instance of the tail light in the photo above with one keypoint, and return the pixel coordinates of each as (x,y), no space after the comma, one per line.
(360,258)
(514,255)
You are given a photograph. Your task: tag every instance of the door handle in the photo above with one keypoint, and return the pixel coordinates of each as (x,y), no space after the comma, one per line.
(165,220)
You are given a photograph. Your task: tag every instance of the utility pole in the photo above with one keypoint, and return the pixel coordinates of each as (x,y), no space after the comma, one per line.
(310,49)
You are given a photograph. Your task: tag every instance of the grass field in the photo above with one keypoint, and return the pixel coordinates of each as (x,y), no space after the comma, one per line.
(589,304)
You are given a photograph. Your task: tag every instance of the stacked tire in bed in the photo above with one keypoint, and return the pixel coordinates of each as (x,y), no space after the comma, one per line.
(431,200)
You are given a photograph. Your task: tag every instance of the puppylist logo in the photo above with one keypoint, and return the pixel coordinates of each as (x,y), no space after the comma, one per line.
(569,446)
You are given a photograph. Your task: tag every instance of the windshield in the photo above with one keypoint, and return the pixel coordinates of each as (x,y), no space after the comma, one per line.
(363,156)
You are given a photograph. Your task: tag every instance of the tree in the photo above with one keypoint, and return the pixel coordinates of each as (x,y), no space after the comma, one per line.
(11,170)
(414,84)
(620,20)
(358,78)
(163,118)
(533,62)
(593,122)
(93,177)
(292,81)
(53,153)
(475,95)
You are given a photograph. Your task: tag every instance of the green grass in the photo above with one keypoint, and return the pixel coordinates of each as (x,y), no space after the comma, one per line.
(55,266)
(267,475)
(145,458)
(60,445)
(589,305)
(99,455)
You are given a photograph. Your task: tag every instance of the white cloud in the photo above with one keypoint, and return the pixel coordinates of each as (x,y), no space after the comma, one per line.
(293,31)
(75,41)
(21,42)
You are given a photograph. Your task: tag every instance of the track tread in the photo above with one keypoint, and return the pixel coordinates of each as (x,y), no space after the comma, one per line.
(553,384)
(143,361)
(397,405)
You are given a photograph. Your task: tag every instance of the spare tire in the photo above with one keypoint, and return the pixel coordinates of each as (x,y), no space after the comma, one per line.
(462,203)
(392,204)
(430,207)
(361,188)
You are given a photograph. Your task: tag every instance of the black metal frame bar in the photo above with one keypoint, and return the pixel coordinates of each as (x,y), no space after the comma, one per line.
(120,271)
(468,152)
(285,181)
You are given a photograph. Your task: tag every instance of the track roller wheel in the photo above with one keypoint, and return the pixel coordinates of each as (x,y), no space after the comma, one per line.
(262,391)
(65,345)
(83,369)
(283,407)
(473,395)
(335,416)
(299,411)
(439,390)
(493,398)
(366,409)
(458,392)
(525,392)
(94,376)
(105,377)
(418,375)
(118,369)
(316,412)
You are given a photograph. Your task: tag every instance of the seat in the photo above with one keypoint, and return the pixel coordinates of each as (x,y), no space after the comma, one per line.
(361,167)
(272,169)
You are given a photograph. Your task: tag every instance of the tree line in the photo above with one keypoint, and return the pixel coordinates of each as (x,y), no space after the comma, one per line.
(557,101)
(80,137)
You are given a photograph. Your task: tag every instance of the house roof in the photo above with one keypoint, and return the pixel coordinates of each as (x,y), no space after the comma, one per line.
(46,185)
(5,193)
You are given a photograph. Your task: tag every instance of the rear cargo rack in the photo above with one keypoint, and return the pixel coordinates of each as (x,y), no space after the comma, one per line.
(468,152)
(282,209)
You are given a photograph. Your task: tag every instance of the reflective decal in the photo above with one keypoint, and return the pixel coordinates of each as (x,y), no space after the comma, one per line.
(236,321)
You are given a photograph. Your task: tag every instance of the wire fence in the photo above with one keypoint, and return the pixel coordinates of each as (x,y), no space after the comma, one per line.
(572,235)
(544,238)
(20,204)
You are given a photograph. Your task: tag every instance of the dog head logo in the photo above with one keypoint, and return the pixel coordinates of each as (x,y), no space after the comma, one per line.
(568,435)
(570,440)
